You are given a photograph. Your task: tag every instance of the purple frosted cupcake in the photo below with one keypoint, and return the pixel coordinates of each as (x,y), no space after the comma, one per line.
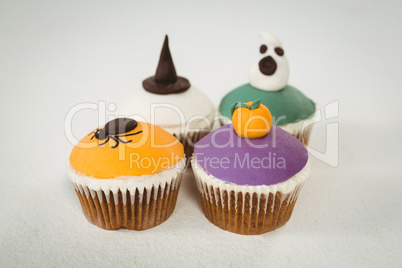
(249,185)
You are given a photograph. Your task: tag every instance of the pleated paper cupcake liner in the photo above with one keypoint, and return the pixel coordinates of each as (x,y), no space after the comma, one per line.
(136,202)
(138,209)
(248,210)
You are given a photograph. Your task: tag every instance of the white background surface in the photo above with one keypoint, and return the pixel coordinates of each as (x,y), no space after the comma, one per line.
(56,54)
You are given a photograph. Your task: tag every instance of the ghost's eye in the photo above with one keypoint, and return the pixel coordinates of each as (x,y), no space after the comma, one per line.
(263,49)
(279,51)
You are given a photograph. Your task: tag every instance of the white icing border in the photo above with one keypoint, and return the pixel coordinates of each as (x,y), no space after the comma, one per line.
(291,186)
(90,185)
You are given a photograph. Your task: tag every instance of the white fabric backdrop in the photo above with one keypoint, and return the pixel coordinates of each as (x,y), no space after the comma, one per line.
(56,54)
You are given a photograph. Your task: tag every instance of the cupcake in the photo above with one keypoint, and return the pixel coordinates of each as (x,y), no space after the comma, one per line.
(127,174)
(172,103)
(268,81)
(249,174)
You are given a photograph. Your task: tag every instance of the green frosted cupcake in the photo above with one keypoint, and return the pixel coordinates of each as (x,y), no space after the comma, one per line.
(291,109)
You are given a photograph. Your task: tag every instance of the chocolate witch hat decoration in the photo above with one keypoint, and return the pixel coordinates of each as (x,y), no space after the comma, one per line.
(165,80)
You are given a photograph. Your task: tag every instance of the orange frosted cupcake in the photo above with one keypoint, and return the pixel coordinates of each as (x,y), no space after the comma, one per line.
(127,174)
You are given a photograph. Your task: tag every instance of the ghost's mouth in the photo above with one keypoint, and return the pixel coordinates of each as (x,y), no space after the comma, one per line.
(267,65)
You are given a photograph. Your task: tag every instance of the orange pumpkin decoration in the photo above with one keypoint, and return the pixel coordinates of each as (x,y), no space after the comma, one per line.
(251,120)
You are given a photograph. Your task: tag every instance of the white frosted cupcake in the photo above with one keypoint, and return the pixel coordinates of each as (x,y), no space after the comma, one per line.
(172,103)
(127,174)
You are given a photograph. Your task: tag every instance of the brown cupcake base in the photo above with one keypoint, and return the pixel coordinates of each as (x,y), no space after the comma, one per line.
(245,209)
(255,219)
(134,214)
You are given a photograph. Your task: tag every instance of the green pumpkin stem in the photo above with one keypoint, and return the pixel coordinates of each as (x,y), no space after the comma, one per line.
(239,104)
(255,104)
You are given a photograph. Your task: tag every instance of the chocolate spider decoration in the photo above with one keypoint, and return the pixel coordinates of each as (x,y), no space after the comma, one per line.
(116,129)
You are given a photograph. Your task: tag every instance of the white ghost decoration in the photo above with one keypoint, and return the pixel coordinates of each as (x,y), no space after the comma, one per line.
(271,71)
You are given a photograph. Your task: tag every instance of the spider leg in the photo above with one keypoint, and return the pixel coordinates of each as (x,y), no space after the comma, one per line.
(122,135)
(94,132)
(116,140)
(105,141)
